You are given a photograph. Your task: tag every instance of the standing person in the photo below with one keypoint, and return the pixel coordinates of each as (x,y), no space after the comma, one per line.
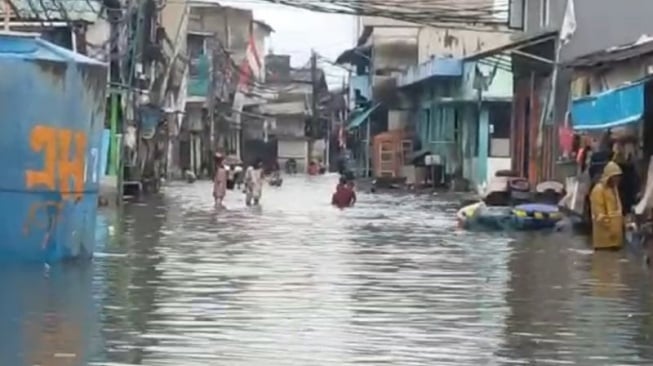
(254,183)
(238,175)
(607,215)
(629,185)
(219,181)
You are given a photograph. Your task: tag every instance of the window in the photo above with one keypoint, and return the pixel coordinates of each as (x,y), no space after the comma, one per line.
(196,45)
(517,15)
(499,120)
(545,8)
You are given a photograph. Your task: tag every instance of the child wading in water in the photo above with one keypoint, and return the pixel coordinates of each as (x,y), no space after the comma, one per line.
(344,195)
(219,181)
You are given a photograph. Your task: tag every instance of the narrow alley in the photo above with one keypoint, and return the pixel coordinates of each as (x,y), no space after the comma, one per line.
(295,282)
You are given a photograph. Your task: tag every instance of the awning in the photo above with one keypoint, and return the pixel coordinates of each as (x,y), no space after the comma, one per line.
(516,45)
(361,117)
(355,55)
(609,109)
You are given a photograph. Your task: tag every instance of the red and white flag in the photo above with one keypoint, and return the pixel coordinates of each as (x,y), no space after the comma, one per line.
(249,71)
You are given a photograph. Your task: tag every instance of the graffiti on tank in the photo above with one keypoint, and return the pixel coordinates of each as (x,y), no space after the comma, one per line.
(50,209)
(60,180)
(64,160)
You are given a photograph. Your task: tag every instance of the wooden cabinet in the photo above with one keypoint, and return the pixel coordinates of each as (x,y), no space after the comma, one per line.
(391,151)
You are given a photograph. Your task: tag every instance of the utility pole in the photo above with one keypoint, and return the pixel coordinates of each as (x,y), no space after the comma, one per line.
(211,103)
(315,116)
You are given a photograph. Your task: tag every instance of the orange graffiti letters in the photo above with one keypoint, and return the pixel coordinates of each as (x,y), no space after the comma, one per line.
(42,139)
(59,168)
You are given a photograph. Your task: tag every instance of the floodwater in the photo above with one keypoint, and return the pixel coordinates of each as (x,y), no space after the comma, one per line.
(298,283)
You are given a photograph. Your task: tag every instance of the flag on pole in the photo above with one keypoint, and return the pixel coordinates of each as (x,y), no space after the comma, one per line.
(249,71)
(567,31)
(568,27)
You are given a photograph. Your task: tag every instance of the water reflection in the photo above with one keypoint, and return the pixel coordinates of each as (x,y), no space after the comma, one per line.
(48,316)
(572,306)
(391,282)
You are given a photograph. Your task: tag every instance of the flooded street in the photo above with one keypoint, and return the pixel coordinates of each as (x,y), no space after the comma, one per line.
(296,282)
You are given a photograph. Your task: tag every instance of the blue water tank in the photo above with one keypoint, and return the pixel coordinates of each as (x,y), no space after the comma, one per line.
(52,109)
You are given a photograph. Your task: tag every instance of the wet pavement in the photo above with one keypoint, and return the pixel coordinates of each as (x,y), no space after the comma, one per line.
(296,282)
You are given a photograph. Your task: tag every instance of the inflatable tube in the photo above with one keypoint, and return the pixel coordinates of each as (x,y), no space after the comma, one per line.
(535,216)
(495,217)
(466,214)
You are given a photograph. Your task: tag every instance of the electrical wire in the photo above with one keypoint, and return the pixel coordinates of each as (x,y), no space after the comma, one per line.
(464,14)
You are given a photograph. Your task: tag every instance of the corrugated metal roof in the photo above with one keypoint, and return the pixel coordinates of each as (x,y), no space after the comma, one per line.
(641,47)
(70,10)
(29,46)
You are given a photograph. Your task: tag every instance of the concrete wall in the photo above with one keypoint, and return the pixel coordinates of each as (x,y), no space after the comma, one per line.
(600,23)
(394,48)
(436,42)
(397,120)
(369,21)
(458,43)
(500,86)
(292,148)
(97,37)
(288,127)
(610,77)
(230,25)
(174,19)
(496,164)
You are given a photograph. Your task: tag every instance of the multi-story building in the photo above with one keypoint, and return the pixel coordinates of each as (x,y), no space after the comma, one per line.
(281,128)
(426,96)
(538,53)
(219,42)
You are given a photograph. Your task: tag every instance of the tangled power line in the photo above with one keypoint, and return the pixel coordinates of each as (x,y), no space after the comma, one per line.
(474,14)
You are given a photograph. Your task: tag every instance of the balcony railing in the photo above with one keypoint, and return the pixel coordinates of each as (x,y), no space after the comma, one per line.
(431,68)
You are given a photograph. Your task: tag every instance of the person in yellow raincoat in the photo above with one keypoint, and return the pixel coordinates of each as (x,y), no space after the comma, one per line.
(607,215)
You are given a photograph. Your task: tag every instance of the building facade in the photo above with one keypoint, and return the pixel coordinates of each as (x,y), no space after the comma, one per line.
(542,83)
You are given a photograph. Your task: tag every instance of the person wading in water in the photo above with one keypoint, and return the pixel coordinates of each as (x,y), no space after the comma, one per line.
(606,209)
(219,181)
(254,183)
(345,196)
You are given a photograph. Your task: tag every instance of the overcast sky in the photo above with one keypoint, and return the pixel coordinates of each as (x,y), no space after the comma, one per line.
(297,31)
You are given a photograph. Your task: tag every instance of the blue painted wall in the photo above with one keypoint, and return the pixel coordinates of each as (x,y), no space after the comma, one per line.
(613,108)
(51,87)
(441,99)
(483,146)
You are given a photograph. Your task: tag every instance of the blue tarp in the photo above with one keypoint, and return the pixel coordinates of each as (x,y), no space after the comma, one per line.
(613,108)
(360,117)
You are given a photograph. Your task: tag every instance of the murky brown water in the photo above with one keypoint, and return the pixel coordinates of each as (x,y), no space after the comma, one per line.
(390,282)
